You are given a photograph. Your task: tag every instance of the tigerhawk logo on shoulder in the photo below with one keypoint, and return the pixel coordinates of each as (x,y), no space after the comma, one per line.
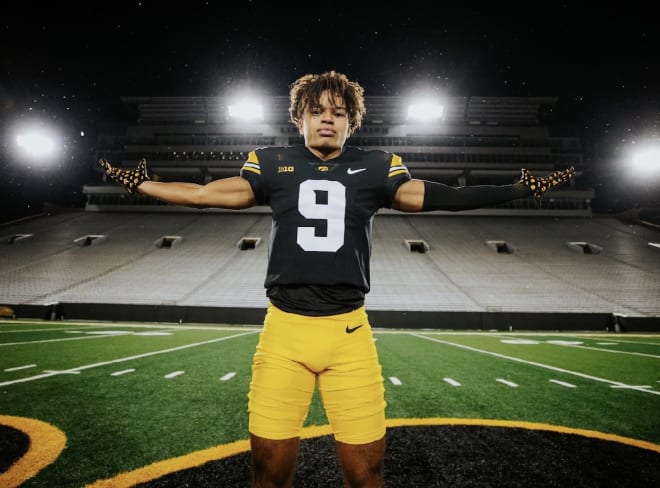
(285,169)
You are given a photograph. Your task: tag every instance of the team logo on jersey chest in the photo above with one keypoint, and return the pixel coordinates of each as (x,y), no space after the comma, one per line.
(322,167)
(285,169)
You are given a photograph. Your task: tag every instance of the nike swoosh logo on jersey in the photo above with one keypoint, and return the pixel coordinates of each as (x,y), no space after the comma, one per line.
(350,330)
(353,171)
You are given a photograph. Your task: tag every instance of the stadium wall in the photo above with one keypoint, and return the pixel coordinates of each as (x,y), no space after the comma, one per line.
(392,319)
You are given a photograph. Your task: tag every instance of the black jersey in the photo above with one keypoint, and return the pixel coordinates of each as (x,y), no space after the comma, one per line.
(322,212)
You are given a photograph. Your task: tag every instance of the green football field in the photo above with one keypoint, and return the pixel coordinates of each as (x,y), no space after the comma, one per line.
(110,404)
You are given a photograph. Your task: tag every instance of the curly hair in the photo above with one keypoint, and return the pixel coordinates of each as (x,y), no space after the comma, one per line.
(306,92)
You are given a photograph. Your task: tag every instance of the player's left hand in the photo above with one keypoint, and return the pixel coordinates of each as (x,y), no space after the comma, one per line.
(127,178)
(540,185)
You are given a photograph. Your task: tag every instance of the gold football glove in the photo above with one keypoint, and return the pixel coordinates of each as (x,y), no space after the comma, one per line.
(539,186)
(129,179)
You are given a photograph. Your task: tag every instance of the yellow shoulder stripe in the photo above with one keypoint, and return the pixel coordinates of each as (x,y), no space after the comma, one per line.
(252,157)
(396,166)
(252,163)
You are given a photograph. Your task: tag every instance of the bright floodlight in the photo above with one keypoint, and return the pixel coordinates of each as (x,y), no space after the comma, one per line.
(37,143)
(425,110)
(246,110)
(646,160)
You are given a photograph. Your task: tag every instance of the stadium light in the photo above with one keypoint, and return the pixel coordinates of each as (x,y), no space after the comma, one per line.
(246,110)
(645,160)
(425,110)
(37,143)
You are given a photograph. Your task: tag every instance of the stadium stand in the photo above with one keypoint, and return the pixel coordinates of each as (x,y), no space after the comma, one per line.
(513,266)
(478,140)
(460,271)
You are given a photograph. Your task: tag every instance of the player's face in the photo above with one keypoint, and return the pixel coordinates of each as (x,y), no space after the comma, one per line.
(325,127)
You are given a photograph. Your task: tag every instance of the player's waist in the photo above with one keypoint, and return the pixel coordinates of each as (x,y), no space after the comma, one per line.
(316,300)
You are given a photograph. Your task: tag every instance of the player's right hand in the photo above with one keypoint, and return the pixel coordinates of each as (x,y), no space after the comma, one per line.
(129,179)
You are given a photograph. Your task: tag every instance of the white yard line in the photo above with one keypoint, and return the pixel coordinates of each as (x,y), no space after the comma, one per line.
(173,374)
(123,372)
(623,341)
(99,336)
(395,381)
(501,336)
(121,360)
(56,329)
(507,382)
(451,381)
(57,371)
(75,324)
(228,376)
(563,383)
(577,346)
(533,363)
(17,368)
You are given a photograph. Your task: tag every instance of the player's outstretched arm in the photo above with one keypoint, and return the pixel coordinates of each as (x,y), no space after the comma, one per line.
(424,196)
(230,193)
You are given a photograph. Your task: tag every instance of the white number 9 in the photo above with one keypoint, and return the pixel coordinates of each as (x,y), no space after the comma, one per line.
(333,212)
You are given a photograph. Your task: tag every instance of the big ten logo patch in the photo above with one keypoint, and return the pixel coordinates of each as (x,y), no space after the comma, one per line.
(285,169)
(323,168)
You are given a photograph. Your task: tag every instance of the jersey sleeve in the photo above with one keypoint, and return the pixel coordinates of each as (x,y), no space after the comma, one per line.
(251,171)
(397,175)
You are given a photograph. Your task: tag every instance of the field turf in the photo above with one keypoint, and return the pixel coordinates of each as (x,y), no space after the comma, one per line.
(116,404)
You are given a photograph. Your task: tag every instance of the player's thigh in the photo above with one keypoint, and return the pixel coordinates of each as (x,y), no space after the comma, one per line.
(353,393)
(280,390)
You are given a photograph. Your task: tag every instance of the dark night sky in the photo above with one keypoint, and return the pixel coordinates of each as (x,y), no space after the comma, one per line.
(68,66)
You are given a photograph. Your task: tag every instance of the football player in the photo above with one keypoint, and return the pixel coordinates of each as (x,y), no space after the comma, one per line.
(324,195)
